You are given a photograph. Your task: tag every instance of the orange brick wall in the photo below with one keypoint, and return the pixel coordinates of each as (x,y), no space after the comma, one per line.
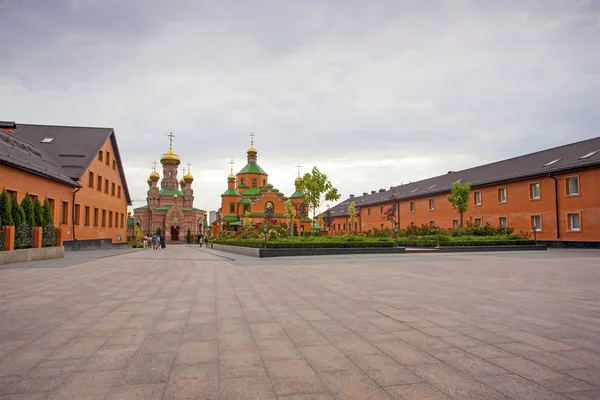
(22,182)
(518,208)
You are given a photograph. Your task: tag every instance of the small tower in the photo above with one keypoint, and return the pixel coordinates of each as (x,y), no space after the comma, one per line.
(170,162)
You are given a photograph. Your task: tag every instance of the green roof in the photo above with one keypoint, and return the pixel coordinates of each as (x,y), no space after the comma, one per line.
(244,201)
(231,218)
(164,208)
(236,223)
(141,208)
(252,168)
(130,222)
(243,186)
(316,226)
(305,219)
(170,192)
(205,222)
(250,191)
(231,192)
(264,215)
(297,194)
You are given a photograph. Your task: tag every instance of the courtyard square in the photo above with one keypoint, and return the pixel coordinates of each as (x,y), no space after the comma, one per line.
(193,323)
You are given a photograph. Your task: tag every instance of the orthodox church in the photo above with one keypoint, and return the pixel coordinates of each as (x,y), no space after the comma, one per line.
(170,207)
(250,191)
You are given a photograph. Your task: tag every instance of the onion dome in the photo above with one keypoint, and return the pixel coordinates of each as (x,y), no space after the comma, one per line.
(170,158)
(252,150)
(188,178)
(231,177)
(175,196)
(182,182)
(149,181)
(154,176)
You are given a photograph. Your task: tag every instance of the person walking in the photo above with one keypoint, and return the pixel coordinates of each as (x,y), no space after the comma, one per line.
(201,240)
(145,242)
(154,242)
(162,242)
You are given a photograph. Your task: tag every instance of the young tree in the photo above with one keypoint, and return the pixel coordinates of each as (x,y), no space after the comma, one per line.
(290,213)
(247,221)
(16,211)
(327,219)
(5,214)
(188,236)
(392,212)
(47,213)
(38,216)
(352,214)
(459,198)
(27,206)
(315,185)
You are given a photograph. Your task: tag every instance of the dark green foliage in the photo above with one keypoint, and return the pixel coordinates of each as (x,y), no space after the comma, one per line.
(188,236)
(46,214)
(16,211)
(38,216)
(27,206)
(158,232)
(5,210)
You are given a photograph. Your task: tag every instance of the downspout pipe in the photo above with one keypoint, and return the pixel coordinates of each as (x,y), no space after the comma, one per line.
(556,204)
(73,213)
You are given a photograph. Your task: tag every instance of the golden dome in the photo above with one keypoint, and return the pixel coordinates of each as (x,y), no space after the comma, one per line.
(252,149)
(188,178)
(149,181)
(154,176)
(170,158)
(182,182)
(175,196)
(231,177)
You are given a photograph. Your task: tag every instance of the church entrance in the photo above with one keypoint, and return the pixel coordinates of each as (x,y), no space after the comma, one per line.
(174,233)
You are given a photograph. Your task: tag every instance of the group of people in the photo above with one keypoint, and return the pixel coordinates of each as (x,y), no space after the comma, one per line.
(156,241)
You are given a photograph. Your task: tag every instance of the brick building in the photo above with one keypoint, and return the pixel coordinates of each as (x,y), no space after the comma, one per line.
(557,191)
(250,191)
(79,171)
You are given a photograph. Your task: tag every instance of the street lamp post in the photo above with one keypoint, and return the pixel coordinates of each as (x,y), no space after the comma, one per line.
(437,228)
(396,233)
(535,233)
(265,229)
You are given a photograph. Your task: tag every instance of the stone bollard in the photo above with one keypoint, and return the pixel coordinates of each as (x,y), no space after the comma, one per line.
(37,237)
(9,238)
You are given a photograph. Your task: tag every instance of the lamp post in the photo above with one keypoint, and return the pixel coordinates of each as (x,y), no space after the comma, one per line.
(245,233)
(535,233)
(396,233)
(437,228)
(265,229)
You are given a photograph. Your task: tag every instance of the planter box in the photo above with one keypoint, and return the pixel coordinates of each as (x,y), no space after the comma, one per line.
(283,252)
(24,255)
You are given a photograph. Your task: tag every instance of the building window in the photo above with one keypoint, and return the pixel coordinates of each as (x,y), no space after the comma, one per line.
(51,202)
(572,186)
(477,198)
(106,186)
(503,221)
(536,223)
(86,217)
(574,220)
(100,155)
(455,223)
(369,212)
(99,185)
(264,182)
(119,191)
(33,197)
(95,216)
(64,215)
(381,226)
(502,195)
(112,189)
(381,210)
(12,194)
(344,226)
(107,158)
(431,204)
(103,217)
(477,221)
(90,179)
(534,191)
(232,207)
(243,181)
(412,206)
(246,208)
(253,182)
(269,207)
(356,226)
(431,223)
(338,227)
(110,219)
(122,220)
(77,213)
(114,165)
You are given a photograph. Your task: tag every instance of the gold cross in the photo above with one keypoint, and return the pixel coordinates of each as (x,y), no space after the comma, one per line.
(231,162)
(252,138)
(298,166)
(189,167)
(171,136)
(154,164)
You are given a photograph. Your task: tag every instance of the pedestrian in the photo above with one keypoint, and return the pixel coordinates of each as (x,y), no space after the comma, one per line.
(162,242)
(145,242)
(201,240)
(154,242)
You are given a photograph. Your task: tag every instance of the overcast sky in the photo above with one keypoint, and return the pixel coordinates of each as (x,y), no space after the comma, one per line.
(374,93)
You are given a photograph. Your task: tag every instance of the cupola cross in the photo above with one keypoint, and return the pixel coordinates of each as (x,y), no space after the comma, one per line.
(154,165)
(231,163)
(298,166)
(171,136)
(252,138)
(189,167)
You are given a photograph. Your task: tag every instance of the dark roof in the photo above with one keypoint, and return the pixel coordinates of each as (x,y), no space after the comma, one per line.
(19,153)
(73,148)
(8,124)
(555,160)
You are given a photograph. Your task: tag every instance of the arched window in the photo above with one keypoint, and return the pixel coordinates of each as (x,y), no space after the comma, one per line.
(264,182)
(243,181)
(232,207)
(269,207)
(253,182)
(100,155)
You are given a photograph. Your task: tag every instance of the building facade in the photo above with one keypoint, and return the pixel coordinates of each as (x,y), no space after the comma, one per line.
(555,191)
(79,171)
(249,191)
(169,207)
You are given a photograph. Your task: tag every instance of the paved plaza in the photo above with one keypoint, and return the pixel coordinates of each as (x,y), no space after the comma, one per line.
(191,323)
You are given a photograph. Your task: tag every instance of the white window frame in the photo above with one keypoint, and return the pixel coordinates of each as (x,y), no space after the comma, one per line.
(568,186)
(411,206)
(531,194)
(480,221)
(475,195)
(502,190)
(431,204)
(505,224)
(569,221)
(531,219)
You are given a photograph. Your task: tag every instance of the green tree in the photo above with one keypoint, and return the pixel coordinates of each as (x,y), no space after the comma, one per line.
(315,186)
(38,216)
(247,221)
(158,232)
(188,236)
(47,213)
(352,214)
(16,211)
(5,214)
(27,206)
(290,213)
(459,198)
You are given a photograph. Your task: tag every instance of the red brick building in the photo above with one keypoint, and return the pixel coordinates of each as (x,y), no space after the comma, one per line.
(556,190)
(79,171)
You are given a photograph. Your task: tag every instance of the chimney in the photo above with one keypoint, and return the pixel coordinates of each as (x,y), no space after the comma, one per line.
(373,191)
(365,193)
(351,196)
(381,190)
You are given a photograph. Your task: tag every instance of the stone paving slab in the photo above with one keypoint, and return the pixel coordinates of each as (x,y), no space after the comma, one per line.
(194,323)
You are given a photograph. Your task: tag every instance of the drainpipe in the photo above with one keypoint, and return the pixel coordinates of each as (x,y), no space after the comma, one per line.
(73,213)
(556,205)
